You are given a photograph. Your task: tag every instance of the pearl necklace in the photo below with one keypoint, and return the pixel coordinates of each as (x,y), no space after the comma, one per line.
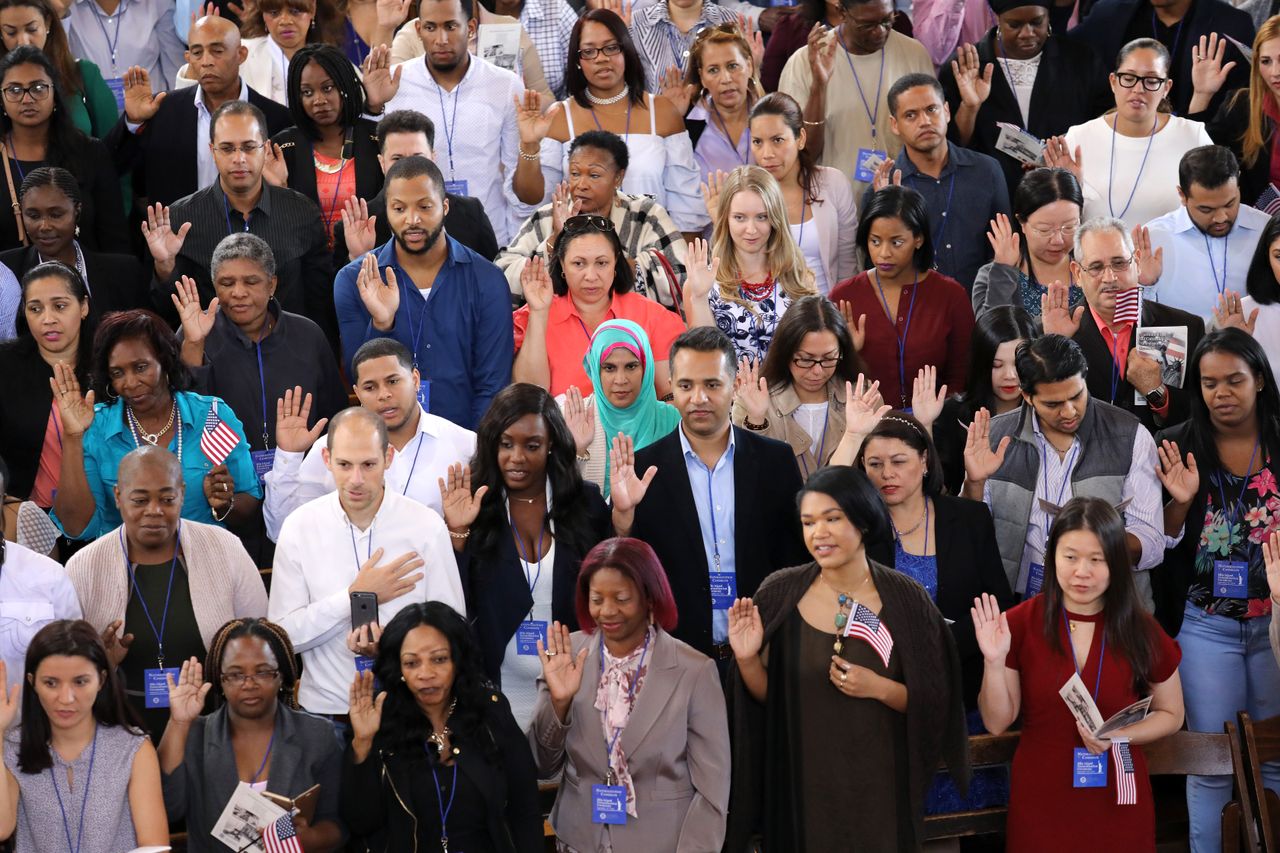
(604,102)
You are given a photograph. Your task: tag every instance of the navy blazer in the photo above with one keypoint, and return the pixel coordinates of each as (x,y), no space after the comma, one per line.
(766,524)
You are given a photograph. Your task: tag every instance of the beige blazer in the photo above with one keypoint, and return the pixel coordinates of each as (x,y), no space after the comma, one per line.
(408,45)
(677,748)
(225,584)
(783,427)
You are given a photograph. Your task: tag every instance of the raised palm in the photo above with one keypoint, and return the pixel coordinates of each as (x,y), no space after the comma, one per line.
(162,241)
(991,628)
(700,275)
(1181,480)
(1270,558)
(460,506)
(381,296)
(358,227)
(381,83)
(863,406)
(186,697)
(980,460)
(561,669)
(927,398)
(746,630)
(10,694)
(365,708)
(535,283)
(196,323)
(972,80)
(75,411)
(626,490)
(531,121)
(752,391)
(140,103)
(292,412)
(1056,313)
(580,418)
(822,52)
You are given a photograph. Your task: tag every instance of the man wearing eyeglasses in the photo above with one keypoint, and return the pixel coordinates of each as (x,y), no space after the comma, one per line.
(182,238)
(163,139)
(1144,382)
(1206,245)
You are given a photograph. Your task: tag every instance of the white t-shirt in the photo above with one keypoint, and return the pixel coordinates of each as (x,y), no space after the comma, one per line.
(812,418)
(1154,185)
(806,237)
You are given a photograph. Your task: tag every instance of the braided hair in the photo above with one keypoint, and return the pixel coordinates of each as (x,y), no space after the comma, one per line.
(270,633)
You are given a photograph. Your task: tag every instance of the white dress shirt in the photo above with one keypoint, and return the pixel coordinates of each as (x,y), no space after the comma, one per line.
(141,31)
(34,591)
(318,557)
(475,118)
(1197,267)
(414,471)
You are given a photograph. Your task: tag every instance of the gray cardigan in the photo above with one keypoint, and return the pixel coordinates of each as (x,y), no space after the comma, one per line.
(305,752)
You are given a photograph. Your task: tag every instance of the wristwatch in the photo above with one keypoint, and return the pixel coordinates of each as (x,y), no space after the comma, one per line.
(1156,399)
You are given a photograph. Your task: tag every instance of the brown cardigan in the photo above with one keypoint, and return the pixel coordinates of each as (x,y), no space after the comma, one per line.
(935,710)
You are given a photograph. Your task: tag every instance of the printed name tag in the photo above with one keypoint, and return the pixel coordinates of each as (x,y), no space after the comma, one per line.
(528,635)
(869,159)
(1035,580)
(609,804)
(1088,770)
(363,663)
(116,85)
(424,395)
(724,589)
(1230,579)
(456,187)
(262,462)
(156,687)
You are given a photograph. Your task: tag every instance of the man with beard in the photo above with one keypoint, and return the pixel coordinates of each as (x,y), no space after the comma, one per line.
(444,302)
(1209,240)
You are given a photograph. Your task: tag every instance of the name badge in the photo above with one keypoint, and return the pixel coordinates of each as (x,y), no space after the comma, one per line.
(1230,579)
(1088,770)
(724,589)
(365,664)
(527,636)
(116,85)
(424,395)
(262,462)
(869,159)
(609,804)
(456,187)
(155,686)
(1035,580)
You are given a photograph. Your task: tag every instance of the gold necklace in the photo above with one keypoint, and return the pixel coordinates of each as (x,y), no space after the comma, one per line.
(437,739)
(329,168)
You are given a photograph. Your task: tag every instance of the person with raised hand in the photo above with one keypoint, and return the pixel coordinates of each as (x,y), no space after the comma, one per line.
(661,706)
(1271,558)
(1088,625)
(714,89)
(255,735)
(1258,311)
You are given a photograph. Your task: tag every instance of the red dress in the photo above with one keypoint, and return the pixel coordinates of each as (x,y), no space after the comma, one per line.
(1045,812)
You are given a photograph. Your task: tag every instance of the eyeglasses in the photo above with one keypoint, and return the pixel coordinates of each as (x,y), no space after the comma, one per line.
(250,148)
(1067,232)
(1151,84)
(805,363)
(863,27)
(1116,266)
(38,91)
(610,49)
(239,679)
(587,222)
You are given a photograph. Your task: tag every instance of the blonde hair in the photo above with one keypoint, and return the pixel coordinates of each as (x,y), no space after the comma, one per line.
(783,257)
(1253,142)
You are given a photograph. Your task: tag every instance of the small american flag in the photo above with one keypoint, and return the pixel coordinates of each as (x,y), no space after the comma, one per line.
(865,625)
(1269,201)
(281,837)
(1126,786)
(217,440)
(1129,305)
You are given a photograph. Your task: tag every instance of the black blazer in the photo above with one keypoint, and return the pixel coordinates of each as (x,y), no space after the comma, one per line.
(1106,29)
(299,149)
(102,222)
(1071,88)
(116,282)
(968,565)
(465,222)
(1101,366)
(27,401)
(498,594)
(162,154)
(1227,127)
(766,525)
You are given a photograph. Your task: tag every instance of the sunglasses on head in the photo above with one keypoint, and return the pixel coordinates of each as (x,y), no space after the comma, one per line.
(587,222)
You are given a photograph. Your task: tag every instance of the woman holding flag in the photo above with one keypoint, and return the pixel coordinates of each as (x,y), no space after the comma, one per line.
(861,730)
(1083,647)
(138,375)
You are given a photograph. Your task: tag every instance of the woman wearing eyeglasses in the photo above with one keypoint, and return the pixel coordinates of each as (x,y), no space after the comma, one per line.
(1035,248)
(1123,160)
(256,735)
(37,130)
(589,280)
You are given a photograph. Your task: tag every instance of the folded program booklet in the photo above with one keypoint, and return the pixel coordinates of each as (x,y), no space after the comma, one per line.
(1086,712)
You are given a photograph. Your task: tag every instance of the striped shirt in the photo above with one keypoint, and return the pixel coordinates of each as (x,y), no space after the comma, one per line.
(662,45)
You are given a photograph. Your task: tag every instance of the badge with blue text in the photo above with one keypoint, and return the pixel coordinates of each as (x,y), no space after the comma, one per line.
(1035,579)
(424,395)
(609,804)
(528,634)
(724,589)
(869,159)
(1088,770)
(156,687)
(262,462)
(1230,579)
(456,187)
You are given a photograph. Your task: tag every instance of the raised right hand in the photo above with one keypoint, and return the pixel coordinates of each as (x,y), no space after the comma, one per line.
(563,207)
(1230,313)
(580,418)
(381,296)
(460,507)
(972,80)
(746,630)
(1181,481)
(885,175)
(365,710)
(561,669)
(140,103)
(980,461)
(196,324)
(535,284)
(863,406)
(358,227)
(822,53)
(10,699)
(76,411)
(390,580)
(1059,156)
(186,697)
(626,490)
(711,192)
(752,391)
(700,276)
(1055,311)
(163,243)
(117,647)
(380,83)
(857,325)
(675,90)
(1208,74)
(1004,241)
(1270,558)
(992,629)
(292,413)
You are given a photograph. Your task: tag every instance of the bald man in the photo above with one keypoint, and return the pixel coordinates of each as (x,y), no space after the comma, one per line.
(164,138)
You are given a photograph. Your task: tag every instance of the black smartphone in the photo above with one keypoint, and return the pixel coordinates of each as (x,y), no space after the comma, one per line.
(364,609)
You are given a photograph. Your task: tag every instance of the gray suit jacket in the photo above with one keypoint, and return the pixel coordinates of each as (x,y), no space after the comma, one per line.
(305,752)
(677,748)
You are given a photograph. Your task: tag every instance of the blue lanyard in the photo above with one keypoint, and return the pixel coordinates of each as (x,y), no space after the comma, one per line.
(1111,169)
(711,510)
(226,209)
(1177,33)
(362,48)
(871,116)
(263,765)
(22,176)
(946,214)
(451,125)
(1234,512)
(444,809)
(66,828)
(262,381)
(133,588)
(631,695)
(112,43)
(804,207)
(515,534)
(1208,249)
(416,329)
(414,466)
(354,550)
(626,134)
(1101,655)
(906,331)
(724,128)
(1115,364)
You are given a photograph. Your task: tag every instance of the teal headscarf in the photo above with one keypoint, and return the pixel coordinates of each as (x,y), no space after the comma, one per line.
(648,418)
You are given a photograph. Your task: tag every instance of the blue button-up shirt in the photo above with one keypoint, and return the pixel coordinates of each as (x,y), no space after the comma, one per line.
(1198,267)
(460,335)
(713,497)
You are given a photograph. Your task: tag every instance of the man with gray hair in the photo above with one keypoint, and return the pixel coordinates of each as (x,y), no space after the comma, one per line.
(1136,349)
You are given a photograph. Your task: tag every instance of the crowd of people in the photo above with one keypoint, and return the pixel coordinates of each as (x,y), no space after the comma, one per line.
(864,375)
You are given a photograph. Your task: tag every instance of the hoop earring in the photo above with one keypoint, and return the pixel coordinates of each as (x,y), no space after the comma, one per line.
(111,395)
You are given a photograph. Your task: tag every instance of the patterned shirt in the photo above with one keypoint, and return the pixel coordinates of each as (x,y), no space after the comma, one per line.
(662,45)
(1237,535)
(750,327)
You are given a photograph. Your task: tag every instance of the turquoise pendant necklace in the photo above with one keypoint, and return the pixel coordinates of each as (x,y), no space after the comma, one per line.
(844,608)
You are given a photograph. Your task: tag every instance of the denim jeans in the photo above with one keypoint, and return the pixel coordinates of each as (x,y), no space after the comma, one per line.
(1227,666)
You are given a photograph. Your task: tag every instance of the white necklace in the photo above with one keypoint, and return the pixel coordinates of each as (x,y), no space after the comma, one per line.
(604,102)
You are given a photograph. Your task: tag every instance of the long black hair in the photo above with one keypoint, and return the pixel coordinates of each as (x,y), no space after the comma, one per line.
(143,325)
(575,81)
(75,286)
(405,727)
(997,326)
(1201,436)
(567,510)
(66,146)
(343,74)
(1261,281)
(1128,627)
(70,638)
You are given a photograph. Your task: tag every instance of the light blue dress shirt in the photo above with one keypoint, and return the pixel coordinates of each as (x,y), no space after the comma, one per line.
(1198,267)
(713,498)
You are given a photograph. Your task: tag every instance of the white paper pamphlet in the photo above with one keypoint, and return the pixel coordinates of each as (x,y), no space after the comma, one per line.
(1082,707)
(1168,346)
(499,44)
(240,825)
(1019,144)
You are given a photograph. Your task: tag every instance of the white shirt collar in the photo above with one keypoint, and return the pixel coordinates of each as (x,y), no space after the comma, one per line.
(203,108)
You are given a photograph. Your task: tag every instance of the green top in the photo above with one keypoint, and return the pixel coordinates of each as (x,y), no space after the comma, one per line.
(94,110)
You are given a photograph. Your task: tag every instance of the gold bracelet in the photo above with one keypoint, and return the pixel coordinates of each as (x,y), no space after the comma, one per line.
(532,158)
(462,535)
(583,457)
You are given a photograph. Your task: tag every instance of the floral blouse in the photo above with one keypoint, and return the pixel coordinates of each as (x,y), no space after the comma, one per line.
(1238,538)
(750,327)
